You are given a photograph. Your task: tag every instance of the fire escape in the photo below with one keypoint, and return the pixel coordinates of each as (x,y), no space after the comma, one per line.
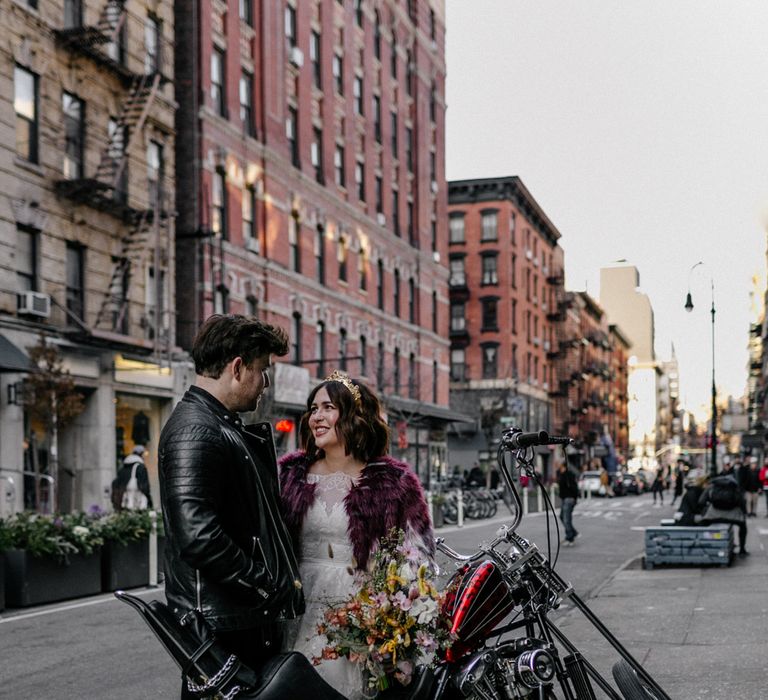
(147,230)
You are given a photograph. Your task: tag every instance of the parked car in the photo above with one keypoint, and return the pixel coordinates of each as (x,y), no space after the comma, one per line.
(632,484)
(590,481)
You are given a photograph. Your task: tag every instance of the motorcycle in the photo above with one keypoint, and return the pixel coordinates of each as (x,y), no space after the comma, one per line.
(505,592)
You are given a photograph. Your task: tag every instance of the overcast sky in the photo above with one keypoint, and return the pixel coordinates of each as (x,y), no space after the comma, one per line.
(641,128)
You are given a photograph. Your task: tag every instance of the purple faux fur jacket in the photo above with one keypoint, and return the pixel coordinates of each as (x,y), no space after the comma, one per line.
(388,494)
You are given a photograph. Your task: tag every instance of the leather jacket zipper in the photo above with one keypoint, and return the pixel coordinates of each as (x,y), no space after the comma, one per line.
(198,597)
(257,543)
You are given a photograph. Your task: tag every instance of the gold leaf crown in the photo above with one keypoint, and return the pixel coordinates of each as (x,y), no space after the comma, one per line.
(338,376)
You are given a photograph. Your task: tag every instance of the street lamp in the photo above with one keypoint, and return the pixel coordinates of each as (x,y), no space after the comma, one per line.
(689,308)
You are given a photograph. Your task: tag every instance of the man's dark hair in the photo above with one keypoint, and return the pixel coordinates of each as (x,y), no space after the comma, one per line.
(223,338)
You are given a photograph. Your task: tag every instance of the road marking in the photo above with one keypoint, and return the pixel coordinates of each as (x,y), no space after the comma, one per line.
(73,606)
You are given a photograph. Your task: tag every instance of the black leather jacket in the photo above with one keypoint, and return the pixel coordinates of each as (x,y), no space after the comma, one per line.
(228,552)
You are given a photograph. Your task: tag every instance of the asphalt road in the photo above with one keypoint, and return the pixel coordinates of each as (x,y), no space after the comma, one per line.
(99,648)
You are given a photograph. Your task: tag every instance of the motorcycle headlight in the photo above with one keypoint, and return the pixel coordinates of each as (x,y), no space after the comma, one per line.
(535,668)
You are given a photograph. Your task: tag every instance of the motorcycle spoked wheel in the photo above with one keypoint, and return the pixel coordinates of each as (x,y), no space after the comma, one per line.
(630,685)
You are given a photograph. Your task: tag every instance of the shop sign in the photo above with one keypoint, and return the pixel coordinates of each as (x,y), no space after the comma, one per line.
(129,371)
(290,384)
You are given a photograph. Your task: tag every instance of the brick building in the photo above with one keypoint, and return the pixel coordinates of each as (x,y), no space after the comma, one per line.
(618,413)
(311,192)
(506,277)
(86,233)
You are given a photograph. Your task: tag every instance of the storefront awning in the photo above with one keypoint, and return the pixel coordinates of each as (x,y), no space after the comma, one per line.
(12,359)
(419,410)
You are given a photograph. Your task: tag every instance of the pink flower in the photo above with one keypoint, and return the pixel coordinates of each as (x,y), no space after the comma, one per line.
(410,552)
(425,640)
(402,601)
(381,598)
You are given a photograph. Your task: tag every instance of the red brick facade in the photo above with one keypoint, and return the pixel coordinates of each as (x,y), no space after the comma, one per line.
(325,210)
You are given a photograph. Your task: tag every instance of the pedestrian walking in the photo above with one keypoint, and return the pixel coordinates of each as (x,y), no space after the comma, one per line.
(568,488)
(657,487)
(751,485)
(764,481)
(130,489)
(679,480)
(228,554)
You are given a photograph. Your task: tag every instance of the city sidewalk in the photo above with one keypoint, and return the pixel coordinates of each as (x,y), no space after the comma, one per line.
(699,631)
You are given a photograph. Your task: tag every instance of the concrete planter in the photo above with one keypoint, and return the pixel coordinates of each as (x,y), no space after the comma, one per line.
(125,565)
(35,580)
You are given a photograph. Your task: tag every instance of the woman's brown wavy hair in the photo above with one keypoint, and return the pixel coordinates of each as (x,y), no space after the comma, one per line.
(360,427)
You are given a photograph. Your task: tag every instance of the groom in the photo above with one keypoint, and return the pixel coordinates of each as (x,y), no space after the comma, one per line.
(228,553)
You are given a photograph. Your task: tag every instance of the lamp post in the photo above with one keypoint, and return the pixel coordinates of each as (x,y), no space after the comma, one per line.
(689,308)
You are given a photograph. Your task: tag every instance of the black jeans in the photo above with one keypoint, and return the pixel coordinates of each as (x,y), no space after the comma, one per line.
(253,647)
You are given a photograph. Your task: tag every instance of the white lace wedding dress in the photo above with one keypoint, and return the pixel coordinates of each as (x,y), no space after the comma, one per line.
(325,563)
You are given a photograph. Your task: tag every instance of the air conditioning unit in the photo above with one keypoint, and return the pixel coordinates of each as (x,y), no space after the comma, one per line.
(545,386)
(296,56)
(529,254)
(33,304)
(381,219)
(252,244)
(546,346)
(544,269)
(434,186)
(436,256)
(536,262)
(536,341)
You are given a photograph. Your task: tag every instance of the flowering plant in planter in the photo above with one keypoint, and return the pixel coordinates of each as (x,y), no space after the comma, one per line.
(53,535)
(124,526)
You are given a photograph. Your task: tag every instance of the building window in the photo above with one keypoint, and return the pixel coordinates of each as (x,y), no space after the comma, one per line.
(152,34)
(26,259)
(393,58)
(377,35)
(380,366)
(396,371)
(357,95)
(246,11)
(512,228)
(513,271)
(290,25)
(489,307)
(73,14)
(363,356)
(377,118)
(251,306)
(75,292)
(412,11)
(458,365)
(489,230)
(394,135)
(294,241)
(362,270)
(314,57)
(343,349)
(249,220)
(316,155)
(296,339)
(456,273)
(117,136)
(490,361)
(218,82)
(490,269)
(412,385)
(433,103)
(433,166)
(514,361)
(337,66)
(380,284)
(409,149)
(320,348)
(409,73)
(433,233)
(434,312)
(219,204)
(25,104)
(342,255)
(396,212)
(379,194)
(155,174)
(432,25)
(514,315)
(320,254)
(528,326)
(338,166)
(359,13)
(456,228)
(360,180)
(410,222)
(292,134)
(411,300)
(458,317)
(74,131)
(246,104)
(434,381)
(397,293)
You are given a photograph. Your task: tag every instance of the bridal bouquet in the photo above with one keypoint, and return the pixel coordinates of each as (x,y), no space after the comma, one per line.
(394,622)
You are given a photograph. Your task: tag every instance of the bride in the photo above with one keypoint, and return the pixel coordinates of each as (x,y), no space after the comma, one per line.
(341,494)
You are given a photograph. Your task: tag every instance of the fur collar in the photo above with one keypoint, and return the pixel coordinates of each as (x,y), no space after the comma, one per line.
(388,494)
